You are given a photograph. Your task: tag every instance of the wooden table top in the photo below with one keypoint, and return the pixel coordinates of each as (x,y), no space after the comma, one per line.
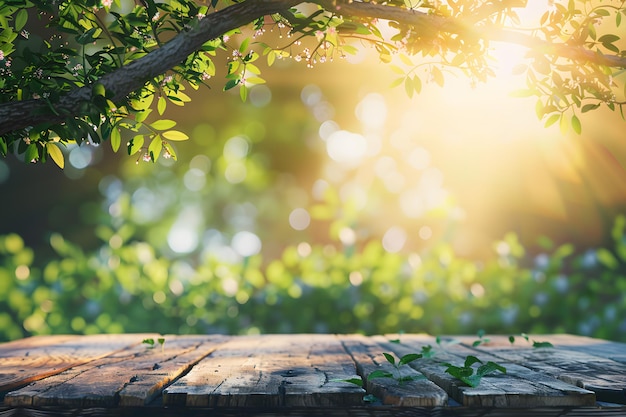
(297,374)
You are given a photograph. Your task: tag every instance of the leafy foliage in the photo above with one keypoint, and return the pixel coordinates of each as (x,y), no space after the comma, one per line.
(471,376)
(131,287)
(61,80)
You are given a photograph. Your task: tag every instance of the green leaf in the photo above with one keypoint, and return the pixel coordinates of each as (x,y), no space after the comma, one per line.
(98,90)
(406,60)
(379,373)
(609,38)
(542,345)
(417,84)
(437,76)
(135,144)
(354,381)
(459,372)
(389,358)
(472,380)
(271,58)
(511,339)
(143,115)
(243,92)
(20,19)
(244,45)
(589,107)
(31,153)
(55,153)
(397,69)
(409,358)
(397,82)
(161,105)
(116,139)
(606,258)
(490,367)
(408,87)
(552,120)
(163,124)
(230,84)
(427,351)
(564,124)
(175,135)
(576,124)
(168,147)
(255,80)
(161,340)
(148,342)
(470,360)
(155,148)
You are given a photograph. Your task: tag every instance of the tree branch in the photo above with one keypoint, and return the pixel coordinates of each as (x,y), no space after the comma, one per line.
(119,84)
(468,26)
(22,114)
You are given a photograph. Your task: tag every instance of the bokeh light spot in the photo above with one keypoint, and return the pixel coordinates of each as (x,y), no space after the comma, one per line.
(182,240)
(356,278)
(372,111)
(236,172)
(22,272)
(394,239)
(299,219)
(246,244)
(236,148)
(80,157)
(260,96)
(346,147)
(194,179)
(425,232)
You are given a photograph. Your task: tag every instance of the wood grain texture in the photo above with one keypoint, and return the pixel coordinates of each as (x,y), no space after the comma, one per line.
(519,387)
(133,376)
(32,359)
(369,358)
(269,371)
(301,374)
(591,368)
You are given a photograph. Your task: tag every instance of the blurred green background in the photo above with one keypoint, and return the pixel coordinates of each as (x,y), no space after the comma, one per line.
(327,203)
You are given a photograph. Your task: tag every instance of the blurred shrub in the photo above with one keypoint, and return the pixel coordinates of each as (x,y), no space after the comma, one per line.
(128,286)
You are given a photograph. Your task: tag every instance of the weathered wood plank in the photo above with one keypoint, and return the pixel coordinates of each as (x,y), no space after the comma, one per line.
(32,359)
(615,351)
(369,358)
(604,376)
(268,371)
(519,387)
(130,377)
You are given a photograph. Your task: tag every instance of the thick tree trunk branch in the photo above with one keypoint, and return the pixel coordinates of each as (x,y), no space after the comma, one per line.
(22,114)
(424,21)
(120,83)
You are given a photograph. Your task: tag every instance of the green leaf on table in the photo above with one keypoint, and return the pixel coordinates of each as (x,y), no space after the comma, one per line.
(379,373)
(409,358)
